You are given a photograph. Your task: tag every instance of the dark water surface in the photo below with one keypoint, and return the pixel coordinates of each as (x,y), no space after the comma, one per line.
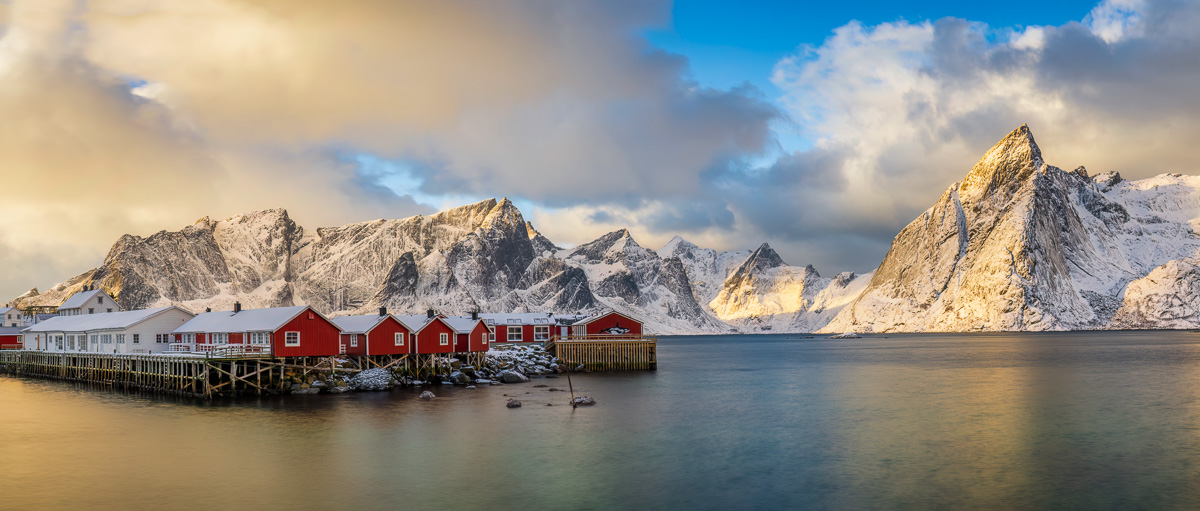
(1012,421)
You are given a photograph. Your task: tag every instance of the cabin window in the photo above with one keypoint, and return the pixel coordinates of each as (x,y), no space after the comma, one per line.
(579,331)
(445,338)
(310,315)
(58,341)
(399,338)
(120,338)
(491,335)
(108,310)
(95,339)
(135,338)
(105,338)
(291,338)
(485,338)
(514,334)
(541,333)
(91,310)
(220,339)
(353,340)
(100,299)
(258,338)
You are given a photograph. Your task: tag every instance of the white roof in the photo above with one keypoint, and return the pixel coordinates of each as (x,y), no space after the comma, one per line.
(4,310)
(9,330)
(529,318)
(90,322)
(461,324)
(248,320)
(358,324)
(80,299)
(414,322)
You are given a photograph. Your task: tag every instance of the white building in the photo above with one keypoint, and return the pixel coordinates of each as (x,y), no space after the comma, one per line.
(88,301)
(11,317)
(138,331)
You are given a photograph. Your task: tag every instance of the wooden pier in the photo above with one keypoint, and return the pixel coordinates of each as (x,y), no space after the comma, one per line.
(606,354)
(206,376)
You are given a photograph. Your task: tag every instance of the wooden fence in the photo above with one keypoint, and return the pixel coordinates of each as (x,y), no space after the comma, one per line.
(610,354)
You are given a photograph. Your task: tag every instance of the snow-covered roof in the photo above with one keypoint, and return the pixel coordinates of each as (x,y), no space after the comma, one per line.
(10,330)
(248,320)
(461,324)
(4,310)
(90,322)
(358,324)
(529,318)
(413,322)
(80,299)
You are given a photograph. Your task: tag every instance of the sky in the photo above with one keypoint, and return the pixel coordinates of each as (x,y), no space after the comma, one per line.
(821,128)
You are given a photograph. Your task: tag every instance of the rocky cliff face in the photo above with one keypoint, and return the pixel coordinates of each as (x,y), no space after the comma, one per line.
(481,256)
(1022,245)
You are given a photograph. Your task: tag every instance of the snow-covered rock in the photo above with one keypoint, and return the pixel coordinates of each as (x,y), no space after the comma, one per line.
(846,335)
(373,379)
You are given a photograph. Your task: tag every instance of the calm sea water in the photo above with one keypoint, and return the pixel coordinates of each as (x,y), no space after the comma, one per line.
(1013,421)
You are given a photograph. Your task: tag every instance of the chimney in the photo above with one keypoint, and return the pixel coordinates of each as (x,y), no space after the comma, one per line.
(383,311)
(237,307)
(475,315)
(429,313)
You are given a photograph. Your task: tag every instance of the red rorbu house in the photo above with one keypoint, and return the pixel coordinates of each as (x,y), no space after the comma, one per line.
(10,338)
(471,333)
(528,327)
(281,331)
(612,325)
(432,334)
(380,334)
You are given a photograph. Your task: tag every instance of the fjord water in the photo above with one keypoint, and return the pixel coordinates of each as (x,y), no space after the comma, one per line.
(1104,420)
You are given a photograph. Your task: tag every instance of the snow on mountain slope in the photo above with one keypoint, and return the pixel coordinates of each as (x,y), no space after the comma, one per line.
(1022,245)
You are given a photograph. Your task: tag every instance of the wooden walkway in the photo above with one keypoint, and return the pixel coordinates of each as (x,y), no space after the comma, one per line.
(205,377)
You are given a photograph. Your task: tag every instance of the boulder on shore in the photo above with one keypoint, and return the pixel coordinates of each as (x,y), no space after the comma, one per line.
(583,401)
(513,377)
(427,395)
(512,403)
(373,379)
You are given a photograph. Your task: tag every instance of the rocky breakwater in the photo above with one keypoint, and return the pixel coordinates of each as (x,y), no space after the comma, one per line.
(508,365)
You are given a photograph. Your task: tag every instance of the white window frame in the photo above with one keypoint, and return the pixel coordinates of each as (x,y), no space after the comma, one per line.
(221,338)
(136,339)
(491,334)
(444,339)
(353,340)
(399,340)
(120,338)
(545,329)
(520,337)
(291,338)
(259,338)
(486,337)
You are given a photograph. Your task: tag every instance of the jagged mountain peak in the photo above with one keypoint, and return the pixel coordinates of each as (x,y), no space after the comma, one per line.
(1011,161)
(503,215)
(607,246)
(763,258)
(677,246)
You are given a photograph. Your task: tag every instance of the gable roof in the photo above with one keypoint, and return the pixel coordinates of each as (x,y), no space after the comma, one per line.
(248,320)
(4,310)
(358,324)
(414,322)
(106,321)
(463,324)
(10,330)
(598,316)
(80,299)
(530,318)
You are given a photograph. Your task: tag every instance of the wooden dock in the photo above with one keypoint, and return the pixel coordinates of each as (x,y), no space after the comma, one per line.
(202,377)
(607,354)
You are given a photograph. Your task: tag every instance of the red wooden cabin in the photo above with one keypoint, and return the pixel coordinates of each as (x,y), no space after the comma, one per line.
(288,331)
(610,325)
(471,334)
(379,334)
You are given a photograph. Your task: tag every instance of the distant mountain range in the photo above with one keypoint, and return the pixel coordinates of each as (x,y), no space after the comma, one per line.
(1016,245)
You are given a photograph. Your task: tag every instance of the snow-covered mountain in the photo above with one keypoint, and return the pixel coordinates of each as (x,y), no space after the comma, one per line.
(1022,245)
(481,256)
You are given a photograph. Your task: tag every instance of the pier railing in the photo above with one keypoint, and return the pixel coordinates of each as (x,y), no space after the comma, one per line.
(606,353)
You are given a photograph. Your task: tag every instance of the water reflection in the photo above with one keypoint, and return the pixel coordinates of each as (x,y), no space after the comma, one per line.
(1032,421)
